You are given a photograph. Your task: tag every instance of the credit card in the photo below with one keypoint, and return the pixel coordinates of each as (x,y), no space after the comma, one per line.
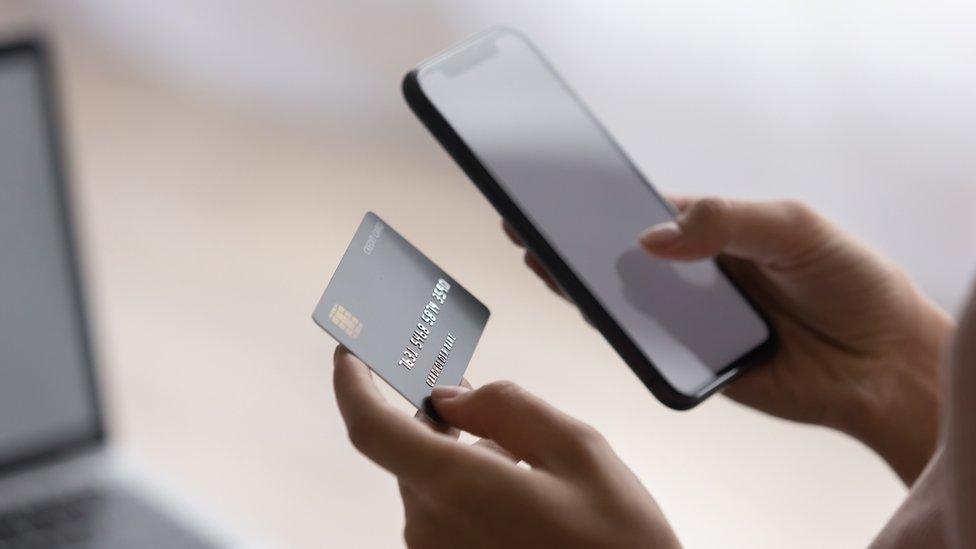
(401,314)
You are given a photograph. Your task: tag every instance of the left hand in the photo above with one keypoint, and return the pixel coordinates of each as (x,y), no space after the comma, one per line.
(577,493)
(859,345)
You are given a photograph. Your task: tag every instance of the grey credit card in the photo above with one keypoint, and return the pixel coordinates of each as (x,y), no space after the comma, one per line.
(407,319)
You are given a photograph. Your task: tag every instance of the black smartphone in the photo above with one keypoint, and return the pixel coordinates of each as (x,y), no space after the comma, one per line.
(578,202)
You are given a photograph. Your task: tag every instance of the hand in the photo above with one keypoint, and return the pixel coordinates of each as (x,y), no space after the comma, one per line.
(576,494)
(960,436)
(940,507)
(859,345)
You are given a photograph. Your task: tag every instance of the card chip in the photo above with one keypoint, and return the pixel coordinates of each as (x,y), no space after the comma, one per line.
(345,321)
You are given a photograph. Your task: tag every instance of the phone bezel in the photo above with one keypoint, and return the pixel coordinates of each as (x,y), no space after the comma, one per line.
(590,306)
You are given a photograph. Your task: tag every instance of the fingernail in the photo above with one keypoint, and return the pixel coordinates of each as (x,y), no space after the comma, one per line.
(446,392)
(661,234)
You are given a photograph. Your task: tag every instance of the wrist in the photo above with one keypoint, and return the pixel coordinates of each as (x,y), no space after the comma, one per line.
(896,412)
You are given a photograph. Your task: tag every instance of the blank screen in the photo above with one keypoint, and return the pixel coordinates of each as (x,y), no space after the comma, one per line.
(589,202)
(45,395)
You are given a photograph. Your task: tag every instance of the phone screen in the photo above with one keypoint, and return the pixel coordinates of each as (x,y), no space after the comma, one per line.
(576,186)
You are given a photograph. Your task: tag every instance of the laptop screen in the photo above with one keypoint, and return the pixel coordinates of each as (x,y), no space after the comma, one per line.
(47,400)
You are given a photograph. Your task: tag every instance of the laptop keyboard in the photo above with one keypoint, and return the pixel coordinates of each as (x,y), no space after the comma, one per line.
(60,522)
(98,518)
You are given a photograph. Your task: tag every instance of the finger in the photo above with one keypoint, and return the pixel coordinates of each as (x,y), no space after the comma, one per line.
(383,433)
(419,528)
(441,428)
(407,493)
(424,527)
(512,235)
(680,202)
(520,422)
(492,446)
(533,263)
(775,234)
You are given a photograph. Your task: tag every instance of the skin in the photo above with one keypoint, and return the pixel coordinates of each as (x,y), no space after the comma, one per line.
(939,509)
(959,489)
(860,352)
(576,494)
(859,345)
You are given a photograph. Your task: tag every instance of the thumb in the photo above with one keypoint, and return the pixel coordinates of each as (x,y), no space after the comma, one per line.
(517,420)
(770,233)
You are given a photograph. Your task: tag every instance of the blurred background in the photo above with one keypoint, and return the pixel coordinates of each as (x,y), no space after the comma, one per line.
(223,152)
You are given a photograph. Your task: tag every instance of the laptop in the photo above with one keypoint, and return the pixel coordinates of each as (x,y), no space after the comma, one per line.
(60,485)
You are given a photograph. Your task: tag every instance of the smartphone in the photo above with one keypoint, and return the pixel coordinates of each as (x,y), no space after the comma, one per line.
(577,201)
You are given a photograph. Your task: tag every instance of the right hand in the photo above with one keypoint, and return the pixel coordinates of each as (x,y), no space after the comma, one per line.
(576,492)
(859,345)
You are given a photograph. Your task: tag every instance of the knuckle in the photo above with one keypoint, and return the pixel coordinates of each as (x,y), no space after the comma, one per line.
(587,440)
(407,494)
(360,435)
(813,227)
(710,207)
(501,391)
(421,524)
(799,211)
(412,535)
